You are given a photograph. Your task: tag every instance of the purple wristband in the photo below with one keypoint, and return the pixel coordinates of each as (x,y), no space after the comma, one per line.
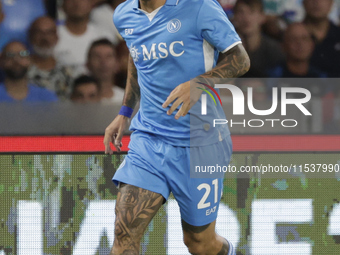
(126,111)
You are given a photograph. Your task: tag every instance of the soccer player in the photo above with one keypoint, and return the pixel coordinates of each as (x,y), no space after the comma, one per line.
(174,45)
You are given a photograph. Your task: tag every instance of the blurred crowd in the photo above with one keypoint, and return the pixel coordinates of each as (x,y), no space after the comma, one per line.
(70,50)
(78,57)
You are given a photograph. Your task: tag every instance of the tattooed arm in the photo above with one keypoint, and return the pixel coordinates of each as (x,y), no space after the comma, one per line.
(132,91)
(231,64)
(114,132)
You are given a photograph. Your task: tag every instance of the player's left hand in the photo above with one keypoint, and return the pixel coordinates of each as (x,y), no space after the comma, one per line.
(185,94)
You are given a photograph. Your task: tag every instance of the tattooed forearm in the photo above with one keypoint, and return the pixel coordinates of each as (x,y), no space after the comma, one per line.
(134,210)
(234,63)
(225,248)
(132,92)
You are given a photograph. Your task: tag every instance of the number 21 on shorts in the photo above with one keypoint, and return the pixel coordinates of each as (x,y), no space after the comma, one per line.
(202,203)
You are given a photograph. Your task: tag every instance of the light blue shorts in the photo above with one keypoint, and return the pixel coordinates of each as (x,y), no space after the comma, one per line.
(154,165)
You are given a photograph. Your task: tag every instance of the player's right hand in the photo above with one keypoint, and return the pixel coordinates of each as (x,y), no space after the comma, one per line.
(114,133)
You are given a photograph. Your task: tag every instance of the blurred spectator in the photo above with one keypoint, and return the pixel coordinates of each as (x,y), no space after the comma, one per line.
(86,89)
(298,47)
(263,51)
(103,65)
(326,55)
(102,15)
(45,71)
(19,14)
(76,36)
(15,61)
(2,16)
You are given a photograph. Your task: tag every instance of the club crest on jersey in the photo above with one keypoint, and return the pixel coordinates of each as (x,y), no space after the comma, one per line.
(134,53)
(174,25)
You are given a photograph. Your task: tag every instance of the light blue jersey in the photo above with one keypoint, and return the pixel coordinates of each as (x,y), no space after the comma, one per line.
(175,43)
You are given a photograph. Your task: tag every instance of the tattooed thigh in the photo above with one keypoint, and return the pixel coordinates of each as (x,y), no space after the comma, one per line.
(135,208)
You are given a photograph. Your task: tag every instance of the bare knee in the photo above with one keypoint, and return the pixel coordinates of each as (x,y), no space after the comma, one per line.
(199,243)
(201,240)
(195,245)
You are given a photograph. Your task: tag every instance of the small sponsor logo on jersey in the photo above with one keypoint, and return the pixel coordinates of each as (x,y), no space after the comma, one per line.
(129,31)
(134,53)
(210,211)
(174,25)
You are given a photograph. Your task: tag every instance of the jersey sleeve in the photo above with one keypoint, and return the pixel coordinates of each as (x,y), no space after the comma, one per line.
(215,27)
(116,20)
